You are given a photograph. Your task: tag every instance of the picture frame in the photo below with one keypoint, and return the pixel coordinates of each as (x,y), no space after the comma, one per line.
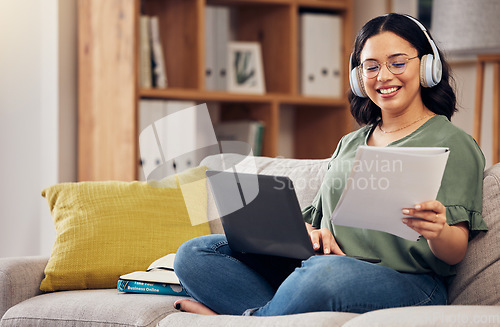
(245,69)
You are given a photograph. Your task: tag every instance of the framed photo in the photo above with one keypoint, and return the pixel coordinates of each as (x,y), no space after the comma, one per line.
(245,72)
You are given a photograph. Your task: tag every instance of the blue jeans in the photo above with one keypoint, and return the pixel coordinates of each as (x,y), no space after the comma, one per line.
(234,283)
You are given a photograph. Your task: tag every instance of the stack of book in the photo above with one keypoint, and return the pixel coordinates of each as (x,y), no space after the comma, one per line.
(151,60)
(248,131)
(160,278)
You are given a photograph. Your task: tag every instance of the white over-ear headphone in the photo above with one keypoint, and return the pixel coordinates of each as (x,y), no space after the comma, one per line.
(430,68)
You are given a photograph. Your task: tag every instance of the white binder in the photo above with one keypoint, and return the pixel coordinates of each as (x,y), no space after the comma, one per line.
(321,54)
(217,36)
(150,156)
(174,136)
(223,28)
(180,136)
(210,45)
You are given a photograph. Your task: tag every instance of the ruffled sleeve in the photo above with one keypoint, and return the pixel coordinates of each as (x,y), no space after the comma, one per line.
(461,189)
(312,215)
(457,214)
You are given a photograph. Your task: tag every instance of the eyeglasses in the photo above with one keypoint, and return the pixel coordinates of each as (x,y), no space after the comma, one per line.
(396,65)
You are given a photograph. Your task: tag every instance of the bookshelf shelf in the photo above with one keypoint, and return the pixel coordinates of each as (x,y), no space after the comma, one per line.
(325,4)
(109,92)
(219,96)
(321,4)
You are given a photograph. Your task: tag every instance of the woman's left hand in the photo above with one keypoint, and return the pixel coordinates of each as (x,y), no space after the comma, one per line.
(427,218)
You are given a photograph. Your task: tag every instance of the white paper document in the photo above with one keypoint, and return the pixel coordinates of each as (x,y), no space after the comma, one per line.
(383,181)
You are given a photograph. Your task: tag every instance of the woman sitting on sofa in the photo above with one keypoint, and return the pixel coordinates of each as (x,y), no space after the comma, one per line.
(399,96)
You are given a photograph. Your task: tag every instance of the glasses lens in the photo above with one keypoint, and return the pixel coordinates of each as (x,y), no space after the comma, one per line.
(397,65)
(370,68)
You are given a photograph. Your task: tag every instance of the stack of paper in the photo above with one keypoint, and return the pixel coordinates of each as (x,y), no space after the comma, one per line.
(383,181)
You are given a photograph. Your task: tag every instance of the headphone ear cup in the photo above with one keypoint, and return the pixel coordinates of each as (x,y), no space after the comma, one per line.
(424,73)
(356,82)
(361,84)
(437,71)
(430,71)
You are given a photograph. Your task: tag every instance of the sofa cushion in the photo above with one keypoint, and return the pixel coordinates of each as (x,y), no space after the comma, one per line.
(90,308)
(306,175)
(316,319)
(429,316)
(107,229)
(478,276)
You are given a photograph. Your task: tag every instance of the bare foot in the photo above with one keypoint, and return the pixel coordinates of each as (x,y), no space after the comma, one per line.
(186,305)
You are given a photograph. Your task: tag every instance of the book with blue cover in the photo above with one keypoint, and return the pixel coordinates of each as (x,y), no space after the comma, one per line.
(159,278)
(131,286)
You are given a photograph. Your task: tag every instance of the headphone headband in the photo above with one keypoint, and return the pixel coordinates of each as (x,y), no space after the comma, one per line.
(430,66)
(431,42)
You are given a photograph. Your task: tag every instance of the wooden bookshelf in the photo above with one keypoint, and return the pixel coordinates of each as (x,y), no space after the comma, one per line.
(108,76)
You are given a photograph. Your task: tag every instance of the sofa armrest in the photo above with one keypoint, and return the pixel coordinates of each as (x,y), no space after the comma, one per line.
(20,280)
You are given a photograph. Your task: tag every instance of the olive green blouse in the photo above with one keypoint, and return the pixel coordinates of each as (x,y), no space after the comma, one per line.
(460,192)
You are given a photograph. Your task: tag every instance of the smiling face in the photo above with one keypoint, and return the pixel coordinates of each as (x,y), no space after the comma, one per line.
(393,94)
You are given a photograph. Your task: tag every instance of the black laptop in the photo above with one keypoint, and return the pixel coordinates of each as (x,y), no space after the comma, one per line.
(260,214)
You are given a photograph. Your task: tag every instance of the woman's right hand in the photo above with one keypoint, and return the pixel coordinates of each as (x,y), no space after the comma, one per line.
(324,241)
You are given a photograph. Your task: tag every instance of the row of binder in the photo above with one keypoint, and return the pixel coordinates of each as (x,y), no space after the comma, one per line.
(176,135)
(320,45)
(171,143)
(217,37)
(320,50)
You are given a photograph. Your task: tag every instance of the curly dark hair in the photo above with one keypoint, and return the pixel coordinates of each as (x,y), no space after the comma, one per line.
(440,99)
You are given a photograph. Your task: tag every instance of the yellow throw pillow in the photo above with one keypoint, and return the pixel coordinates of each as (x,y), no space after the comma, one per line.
(107,229)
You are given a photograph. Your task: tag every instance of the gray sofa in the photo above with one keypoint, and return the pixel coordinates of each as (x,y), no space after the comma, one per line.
(474,294)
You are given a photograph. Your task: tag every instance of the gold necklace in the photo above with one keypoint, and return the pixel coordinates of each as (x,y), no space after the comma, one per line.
(397,130)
